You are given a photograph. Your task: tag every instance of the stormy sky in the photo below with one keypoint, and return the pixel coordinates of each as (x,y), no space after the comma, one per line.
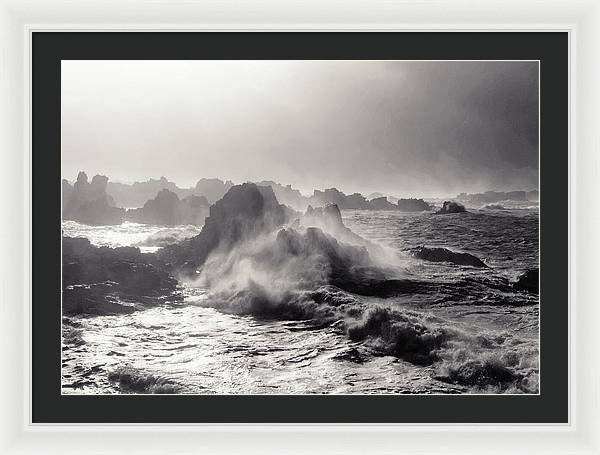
(402,128)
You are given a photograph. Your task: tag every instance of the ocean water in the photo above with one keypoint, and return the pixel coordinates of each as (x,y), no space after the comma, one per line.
(489,333)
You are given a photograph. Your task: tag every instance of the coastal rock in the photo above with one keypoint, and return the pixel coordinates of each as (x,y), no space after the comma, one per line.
(102,280)
(446,255)
(451,207)
(87,202)
(167,209)
(245,212)
(343,201)
(528,281)
(329,220)
(413,205)
(212,189)
(381,203)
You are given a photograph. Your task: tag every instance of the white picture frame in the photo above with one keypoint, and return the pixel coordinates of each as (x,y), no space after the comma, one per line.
(18,19)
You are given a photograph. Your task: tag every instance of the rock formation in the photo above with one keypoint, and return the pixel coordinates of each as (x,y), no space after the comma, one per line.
(167,209)
(246,211)
(381,203)
(446,255)
(413,205)
(528,281)
(334,196)
(287,195)
(87,202)
(451,207)
(102,280)
(212,189)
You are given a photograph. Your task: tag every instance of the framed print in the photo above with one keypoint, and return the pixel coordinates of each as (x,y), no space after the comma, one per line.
(280,274)
(281,235)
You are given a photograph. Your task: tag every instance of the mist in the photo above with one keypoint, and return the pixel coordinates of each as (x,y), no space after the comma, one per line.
(403,128)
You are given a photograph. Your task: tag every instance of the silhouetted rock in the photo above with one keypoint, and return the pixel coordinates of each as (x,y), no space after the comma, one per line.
(329,219)
(451,207)
(381,203)
(446,255)
(287,195)
(212,189)
(137,193)
(413,205)
(167,209)
(245,212)
(334,196)
(102,280)
(528,281)
(87,202)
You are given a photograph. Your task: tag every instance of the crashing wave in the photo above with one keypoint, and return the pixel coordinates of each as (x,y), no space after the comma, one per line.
(169,236)
(136,381)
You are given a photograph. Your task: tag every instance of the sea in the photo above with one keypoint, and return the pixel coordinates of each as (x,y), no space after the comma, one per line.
(491,332)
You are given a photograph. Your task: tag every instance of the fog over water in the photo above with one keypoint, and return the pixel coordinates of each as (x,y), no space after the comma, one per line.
(402,128)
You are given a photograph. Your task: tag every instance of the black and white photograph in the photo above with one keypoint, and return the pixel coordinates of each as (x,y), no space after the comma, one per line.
(296,227)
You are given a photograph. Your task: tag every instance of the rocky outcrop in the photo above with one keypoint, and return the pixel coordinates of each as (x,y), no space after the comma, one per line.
(212,189)
(446,255)
(287,195)
(246,211)
(334,196)
(167,209)
(102,280)
(413,205)
(451,207)
(381,203)
(136,194)
(528,281)
(329,219)
(87,202)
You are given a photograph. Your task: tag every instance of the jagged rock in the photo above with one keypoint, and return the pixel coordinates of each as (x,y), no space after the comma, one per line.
(334,196)
(102,280)
(88,203)
(287,195)
(446,255)
(451,207)
(212,189)
(329,219)
(528,281)
(245,211)
(413,205)
(381,203)
(167,209)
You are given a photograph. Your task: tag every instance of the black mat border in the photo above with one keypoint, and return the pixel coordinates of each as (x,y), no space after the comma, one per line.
(551,48)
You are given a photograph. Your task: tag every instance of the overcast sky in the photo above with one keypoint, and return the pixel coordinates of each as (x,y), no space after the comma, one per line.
(401,128)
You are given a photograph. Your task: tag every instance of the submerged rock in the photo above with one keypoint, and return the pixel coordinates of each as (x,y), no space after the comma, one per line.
(446,255)
(102,280)
(451,207)
(167,209)
(528,281)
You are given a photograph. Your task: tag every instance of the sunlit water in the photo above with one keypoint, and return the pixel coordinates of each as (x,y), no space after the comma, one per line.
(191,348)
